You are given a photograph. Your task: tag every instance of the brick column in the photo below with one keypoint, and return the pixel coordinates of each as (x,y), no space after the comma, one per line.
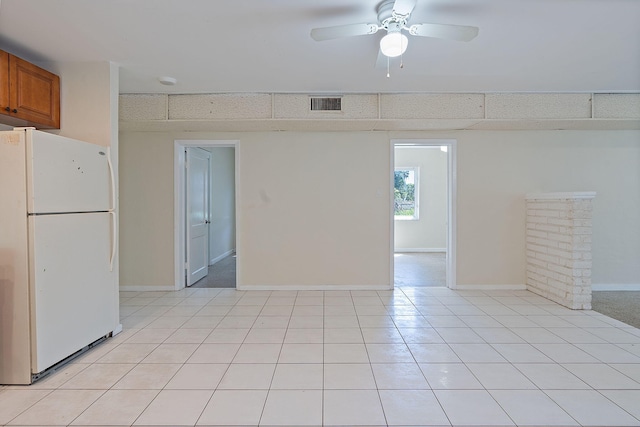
(559,247)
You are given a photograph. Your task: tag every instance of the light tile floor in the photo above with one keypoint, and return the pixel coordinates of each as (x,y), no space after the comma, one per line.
(409,357)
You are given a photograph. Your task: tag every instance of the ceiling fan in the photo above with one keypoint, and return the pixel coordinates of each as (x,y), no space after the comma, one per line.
(393,16)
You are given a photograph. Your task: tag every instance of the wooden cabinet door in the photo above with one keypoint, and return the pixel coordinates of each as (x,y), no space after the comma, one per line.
(34,93)
(4,83)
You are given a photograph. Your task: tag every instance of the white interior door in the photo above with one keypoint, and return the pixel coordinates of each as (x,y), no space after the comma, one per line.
(197,213)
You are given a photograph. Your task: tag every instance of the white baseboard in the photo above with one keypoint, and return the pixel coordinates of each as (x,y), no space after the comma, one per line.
(146,288)
(221,257)
(518,287)
(314,288)
(399,250)
(615,287)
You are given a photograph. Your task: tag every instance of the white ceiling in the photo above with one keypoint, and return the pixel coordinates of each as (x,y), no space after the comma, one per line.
(264,45)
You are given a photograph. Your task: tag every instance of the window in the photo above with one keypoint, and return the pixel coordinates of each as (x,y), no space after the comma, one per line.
(405,189)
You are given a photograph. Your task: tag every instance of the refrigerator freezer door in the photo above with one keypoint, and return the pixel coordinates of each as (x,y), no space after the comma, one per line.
(74,298)
(65,175)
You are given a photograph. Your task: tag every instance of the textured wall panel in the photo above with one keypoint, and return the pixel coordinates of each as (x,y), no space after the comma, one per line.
(297,106)
(432,106)
(538,106)
(220,106)
(445,111)
(616,106)
(142,107)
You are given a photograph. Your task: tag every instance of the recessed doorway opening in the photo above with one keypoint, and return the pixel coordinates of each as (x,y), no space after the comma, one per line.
(423,187)
(205,189)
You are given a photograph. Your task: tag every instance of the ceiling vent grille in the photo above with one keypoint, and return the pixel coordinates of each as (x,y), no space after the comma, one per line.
(326,104)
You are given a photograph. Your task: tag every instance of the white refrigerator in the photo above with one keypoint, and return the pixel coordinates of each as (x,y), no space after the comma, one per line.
(58,287)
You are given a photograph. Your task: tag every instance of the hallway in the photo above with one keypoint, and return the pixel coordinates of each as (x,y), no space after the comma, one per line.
(220,275)
(419,269)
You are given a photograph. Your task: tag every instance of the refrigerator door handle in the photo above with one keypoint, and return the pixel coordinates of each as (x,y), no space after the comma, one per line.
(113,179)
(114,236)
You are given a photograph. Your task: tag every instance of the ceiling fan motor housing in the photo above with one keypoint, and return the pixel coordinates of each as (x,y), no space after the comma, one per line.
(394,27)
(390,20)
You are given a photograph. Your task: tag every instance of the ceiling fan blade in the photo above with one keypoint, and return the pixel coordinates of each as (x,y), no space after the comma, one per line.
(329,33)
(404,7)
(460,33)
(381,61)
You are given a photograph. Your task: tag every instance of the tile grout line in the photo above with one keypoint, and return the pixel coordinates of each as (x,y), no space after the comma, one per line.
(204,408)
(579,326)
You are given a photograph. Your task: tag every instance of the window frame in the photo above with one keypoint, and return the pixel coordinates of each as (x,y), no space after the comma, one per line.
(416,194)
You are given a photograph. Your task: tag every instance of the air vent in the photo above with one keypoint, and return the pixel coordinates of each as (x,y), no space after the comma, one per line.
(326,104)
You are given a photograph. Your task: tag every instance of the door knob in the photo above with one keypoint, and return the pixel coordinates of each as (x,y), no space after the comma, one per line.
(7,109)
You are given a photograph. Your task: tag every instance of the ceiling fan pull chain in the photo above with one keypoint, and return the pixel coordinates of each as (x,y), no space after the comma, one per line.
(388,74)
(401,50)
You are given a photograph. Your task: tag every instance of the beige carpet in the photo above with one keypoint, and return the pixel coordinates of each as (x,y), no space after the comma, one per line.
(621,305)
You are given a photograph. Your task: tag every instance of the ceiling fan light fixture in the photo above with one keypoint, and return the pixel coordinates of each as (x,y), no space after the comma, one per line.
(394,44)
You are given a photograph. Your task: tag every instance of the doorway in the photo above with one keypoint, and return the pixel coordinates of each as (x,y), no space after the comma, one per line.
(213,210)
(423,185)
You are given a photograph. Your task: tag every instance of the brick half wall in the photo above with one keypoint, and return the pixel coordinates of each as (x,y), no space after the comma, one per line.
(558,247)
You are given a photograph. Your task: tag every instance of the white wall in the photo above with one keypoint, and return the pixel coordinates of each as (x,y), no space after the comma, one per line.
(496,170)
(222,230)
(146,210)
(314,210)
(295,230)
(429,231)
(88,101)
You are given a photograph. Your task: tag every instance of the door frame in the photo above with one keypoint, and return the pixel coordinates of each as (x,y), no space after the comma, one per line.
(179,200)
(451,144)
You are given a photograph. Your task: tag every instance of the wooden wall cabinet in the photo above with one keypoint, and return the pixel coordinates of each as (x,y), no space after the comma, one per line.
(29,95)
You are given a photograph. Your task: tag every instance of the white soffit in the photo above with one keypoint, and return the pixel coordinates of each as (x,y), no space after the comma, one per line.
(143,107)
(553,124)
(616,105)
(219,106)
(538,106)
(354,106)
(432,106)
(240,112)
